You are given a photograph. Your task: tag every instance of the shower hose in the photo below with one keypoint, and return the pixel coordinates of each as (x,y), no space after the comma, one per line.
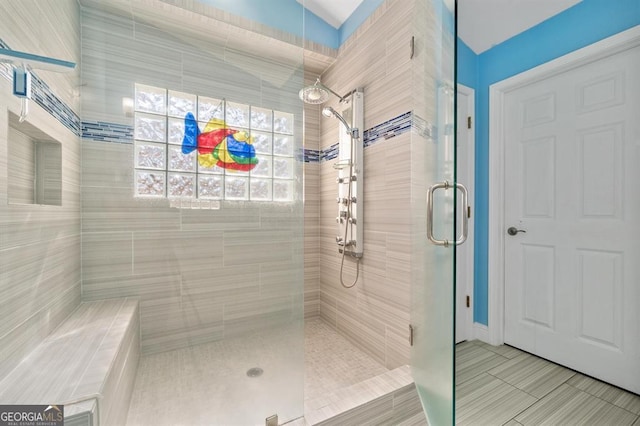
(347,224)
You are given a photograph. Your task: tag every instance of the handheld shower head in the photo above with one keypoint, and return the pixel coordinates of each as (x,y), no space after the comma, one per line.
(328,112)
(317,94)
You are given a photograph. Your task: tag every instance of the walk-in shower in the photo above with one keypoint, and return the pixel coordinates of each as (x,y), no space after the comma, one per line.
(197,280)
(350,170)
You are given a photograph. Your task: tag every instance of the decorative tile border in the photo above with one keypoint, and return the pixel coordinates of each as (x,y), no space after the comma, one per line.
(122,133)
(107,132)
(44,96)
(329,153)
(390,128)
(311,155)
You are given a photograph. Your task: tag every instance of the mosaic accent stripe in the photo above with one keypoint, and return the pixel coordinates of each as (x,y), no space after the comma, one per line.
(390,128)
(107,132)
(121,133)
(330,153)
(311,155)
(42,95)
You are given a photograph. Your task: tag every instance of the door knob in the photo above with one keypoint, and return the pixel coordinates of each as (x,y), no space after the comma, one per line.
(514,231)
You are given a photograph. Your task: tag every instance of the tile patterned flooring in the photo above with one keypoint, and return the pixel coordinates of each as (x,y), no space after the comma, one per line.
(504,386)
(494,385)
(207,385)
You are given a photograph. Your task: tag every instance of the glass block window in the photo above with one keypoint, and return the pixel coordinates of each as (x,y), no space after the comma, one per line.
(191,147)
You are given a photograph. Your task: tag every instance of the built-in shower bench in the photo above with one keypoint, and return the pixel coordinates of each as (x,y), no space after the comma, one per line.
(88,364)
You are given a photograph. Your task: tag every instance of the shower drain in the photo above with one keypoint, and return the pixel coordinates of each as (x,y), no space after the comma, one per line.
(255,372)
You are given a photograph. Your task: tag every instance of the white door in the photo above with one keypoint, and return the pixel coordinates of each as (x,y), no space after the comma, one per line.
(572,182)
(464,175)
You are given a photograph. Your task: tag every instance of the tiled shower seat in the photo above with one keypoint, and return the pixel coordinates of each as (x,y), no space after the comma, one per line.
(88,364)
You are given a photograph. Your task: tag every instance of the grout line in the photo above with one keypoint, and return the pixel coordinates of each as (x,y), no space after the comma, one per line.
(601,399)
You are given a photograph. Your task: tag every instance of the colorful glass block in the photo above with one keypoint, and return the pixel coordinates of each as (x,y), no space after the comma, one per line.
(181,185)
(283,145)
(181,103)
(283,122)
(181,162)
(219,145)
(262,142)
(236,188)
(176,131)
(237,115)
(283,167)
(263,168)
(261,119)
(150,127)
(260,189)
(282,190)
(210,186)
(150,184)
(209,108)
(150,99)
(150,155)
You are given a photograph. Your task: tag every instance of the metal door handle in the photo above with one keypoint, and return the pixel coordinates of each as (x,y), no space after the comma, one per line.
(465,219)
(514,231)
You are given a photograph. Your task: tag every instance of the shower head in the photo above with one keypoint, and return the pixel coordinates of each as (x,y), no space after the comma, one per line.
(316,94)
(328,112)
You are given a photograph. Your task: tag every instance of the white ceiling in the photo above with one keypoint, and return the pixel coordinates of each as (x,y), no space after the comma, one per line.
(481,23)
(334,12)
(484,23)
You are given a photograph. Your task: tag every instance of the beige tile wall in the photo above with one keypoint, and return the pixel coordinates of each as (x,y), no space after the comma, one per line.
(201,275)
(375,313)
(311,208)
(39,245)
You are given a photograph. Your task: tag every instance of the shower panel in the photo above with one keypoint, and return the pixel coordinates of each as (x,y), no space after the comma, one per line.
(351,178)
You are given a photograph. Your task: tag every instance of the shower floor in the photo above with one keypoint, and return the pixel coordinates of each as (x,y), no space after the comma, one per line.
(208,385)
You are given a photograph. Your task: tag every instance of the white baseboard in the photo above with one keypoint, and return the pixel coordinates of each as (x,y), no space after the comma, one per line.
(481,332)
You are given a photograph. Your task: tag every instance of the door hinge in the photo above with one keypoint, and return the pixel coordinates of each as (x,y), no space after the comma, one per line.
(468,122)
(468,301)
(271,420)
(469,211)
(412,47)
(410,335)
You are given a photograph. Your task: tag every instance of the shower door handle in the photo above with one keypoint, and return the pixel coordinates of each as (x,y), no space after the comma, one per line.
(465,218)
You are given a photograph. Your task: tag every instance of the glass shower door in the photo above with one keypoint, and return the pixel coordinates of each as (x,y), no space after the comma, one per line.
(433,210)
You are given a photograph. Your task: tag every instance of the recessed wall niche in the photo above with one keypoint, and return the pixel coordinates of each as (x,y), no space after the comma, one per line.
(34,165)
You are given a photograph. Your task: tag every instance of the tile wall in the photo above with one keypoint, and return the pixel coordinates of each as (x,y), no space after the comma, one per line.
(311,206)
(201,274)
(40,244)
(375,313)
(205,274)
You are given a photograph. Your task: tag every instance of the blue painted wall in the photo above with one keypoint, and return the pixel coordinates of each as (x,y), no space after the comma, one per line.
(577,27)
(467,65)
